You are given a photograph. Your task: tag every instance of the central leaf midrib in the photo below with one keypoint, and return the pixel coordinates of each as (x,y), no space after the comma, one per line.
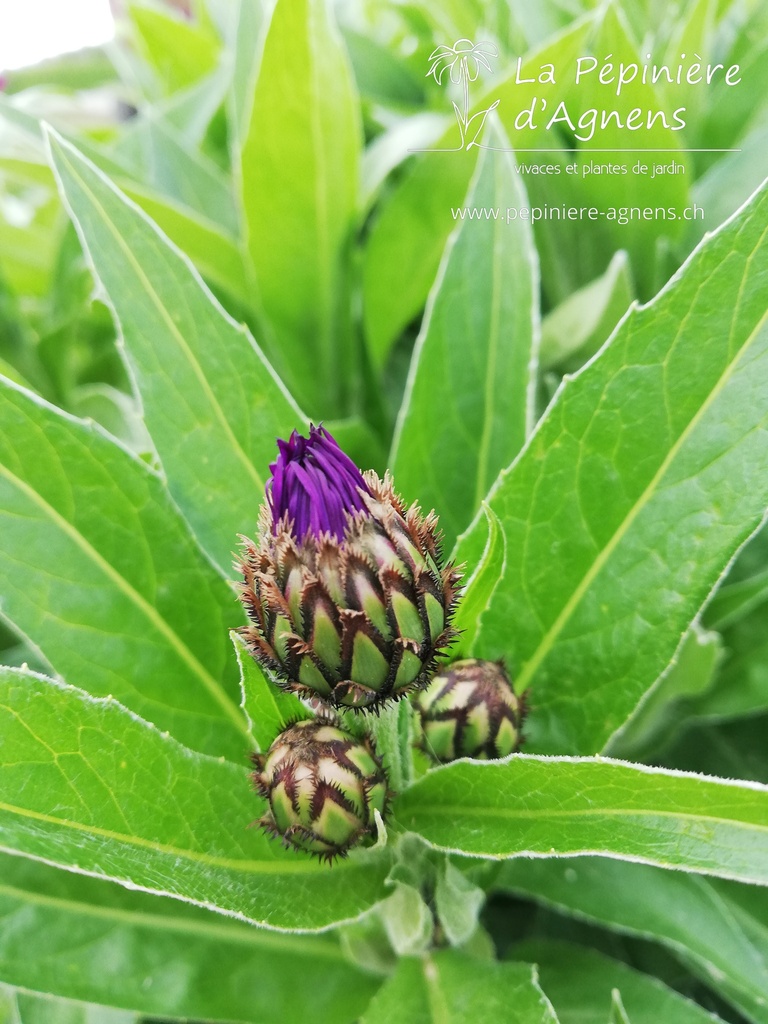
(459,811)
(253,867)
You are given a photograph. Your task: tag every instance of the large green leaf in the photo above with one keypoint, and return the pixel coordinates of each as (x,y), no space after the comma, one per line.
(719,928)
(212,403)
(639,485)
(95,941)
(299,177)
(101,573)
(561,806)
(449,987)
(87,786)
(580,982)
(470,401)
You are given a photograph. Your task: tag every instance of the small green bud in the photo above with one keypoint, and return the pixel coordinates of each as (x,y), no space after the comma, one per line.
(323,786)
(469,710)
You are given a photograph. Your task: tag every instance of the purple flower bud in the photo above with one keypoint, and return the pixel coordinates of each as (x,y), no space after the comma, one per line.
(313,485)
(348,597)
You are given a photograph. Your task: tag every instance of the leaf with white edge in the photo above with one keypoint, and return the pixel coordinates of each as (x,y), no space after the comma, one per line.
(640,484)
(101,573)
(580,982)
(476,597)
(87,786)
(562,806)
(720,929)
(452,988)
(212,404)
(299,174)
(267,708)
(97,942)
(407,920)
(470,400)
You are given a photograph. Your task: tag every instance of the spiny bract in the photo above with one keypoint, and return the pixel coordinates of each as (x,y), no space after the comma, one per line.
(469,710)
(345,590)
(323,786)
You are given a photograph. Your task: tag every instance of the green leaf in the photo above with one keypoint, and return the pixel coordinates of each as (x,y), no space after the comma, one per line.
(448,987)
(180,50)
(267,708)
(561,806)
(741,687)
(407,920)
(470,400)
(215,253)
(719,929)
(246,22)
(576,329)
(158,158)
(633,495)
(96,941)
(101,574)
(380,76)
(88,786)
(299,178)
(479,588)
(212,403)
(580,982)
(458,902)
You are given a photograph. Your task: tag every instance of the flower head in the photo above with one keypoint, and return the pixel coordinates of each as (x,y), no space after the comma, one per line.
(323,787)
(345,588)
(463,60)
(469,710)
(313,486)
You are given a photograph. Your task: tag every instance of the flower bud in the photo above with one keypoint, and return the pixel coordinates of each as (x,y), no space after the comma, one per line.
(345,588)
(323,786)
(469,710)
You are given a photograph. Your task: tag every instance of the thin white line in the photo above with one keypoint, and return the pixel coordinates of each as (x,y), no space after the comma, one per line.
(560,149)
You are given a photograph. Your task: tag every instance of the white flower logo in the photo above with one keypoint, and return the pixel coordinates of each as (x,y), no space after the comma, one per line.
(463,61)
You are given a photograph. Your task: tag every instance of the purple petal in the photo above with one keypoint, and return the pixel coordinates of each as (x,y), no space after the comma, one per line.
(314,484)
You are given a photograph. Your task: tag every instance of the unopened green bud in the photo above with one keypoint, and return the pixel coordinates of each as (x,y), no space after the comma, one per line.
(323,786)
(469,710)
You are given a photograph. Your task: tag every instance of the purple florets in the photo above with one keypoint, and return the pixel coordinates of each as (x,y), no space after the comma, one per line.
(314,483)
